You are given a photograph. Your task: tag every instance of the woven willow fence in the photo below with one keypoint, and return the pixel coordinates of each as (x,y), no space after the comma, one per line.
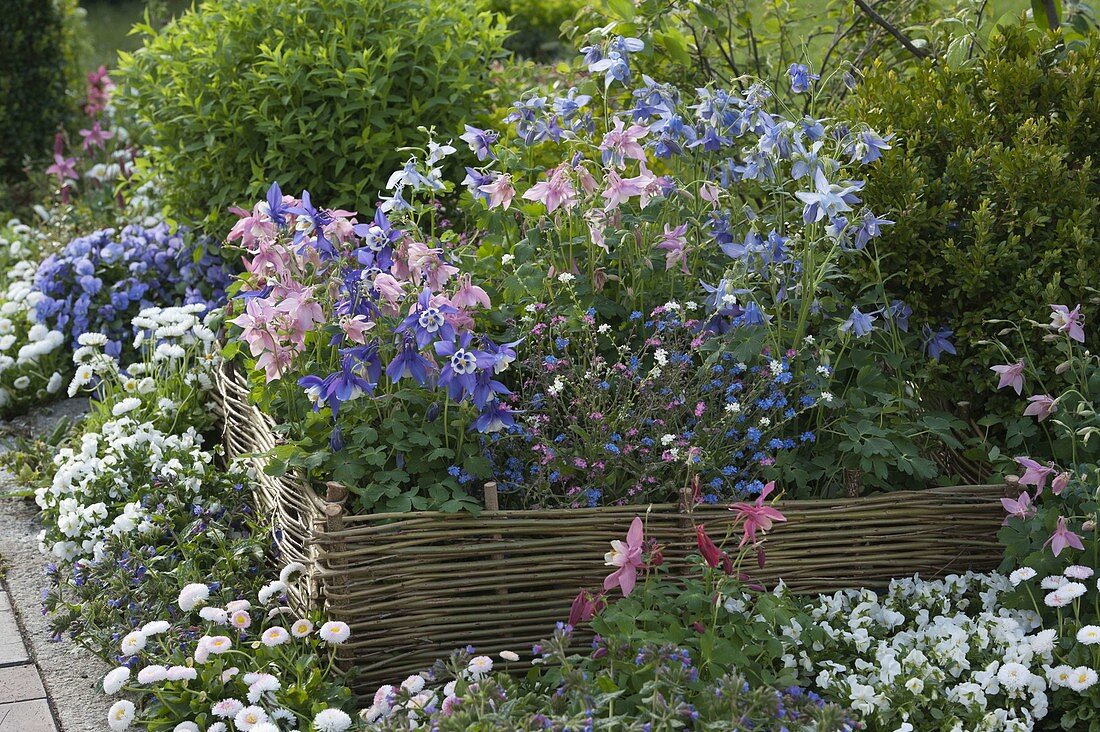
(414,586)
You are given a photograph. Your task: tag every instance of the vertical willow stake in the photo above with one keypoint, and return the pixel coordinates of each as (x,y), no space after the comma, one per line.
(336,600)
(492,505)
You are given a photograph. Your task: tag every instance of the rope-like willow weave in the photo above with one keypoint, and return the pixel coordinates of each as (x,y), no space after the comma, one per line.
(415,586)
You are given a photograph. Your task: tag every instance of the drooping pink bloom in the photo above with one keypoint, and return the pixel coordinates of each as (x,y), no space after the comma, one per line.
(1041,406)
(709,192)
(585,607)
(1035,473)
(1063,538)
(626,557)
(469,295)
(619,144)
(390,290)
(1060,482)
(1011,375)
(556,191)
(500,191)
(757,516)
(648,184)
(588,183)
(619,189)
(355,328)
(1064,320)
(96,137)
(674,244)
(1020,508)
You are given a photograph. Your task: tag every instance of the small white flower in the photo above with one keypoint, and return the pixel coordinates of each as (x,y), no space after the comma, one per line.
(1059,675)
(155,627)
(269,591)
(1081,678)
(1023,574)
(152,674)
(54,384)
(566,277)
(92,339)
(249,717)
(301,628)
(335,632)
(120,715)
(186,727)
(214,615)
(133,642)
(216,644)
(1053,582)
(240,619)
(1072,590)
(1014,676)
(1078,572)
(479,666)
(22,382)
(181,673)
(276,635)
(116,679)
(125,406)
(413,684)
(1089,635)
(509,655)
(290,571)
(827,397)
(193,595)
(733,407)
(332,720)
(227,708)
(604,328)
(507,258)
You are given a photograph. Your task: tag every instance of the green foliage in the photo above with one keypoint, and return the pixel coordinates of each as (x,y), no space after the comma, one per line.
(535,26)
(318,94)
(993,178)
(38,70)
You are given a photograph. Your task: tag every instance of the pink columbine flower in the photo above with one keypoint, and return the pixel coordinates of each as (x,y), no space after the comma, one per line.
(64,168)
(1035,473)
(1068,321)
(674,244)
(96,137)
(709,192)
(619,189)
(1060,482)
(619,144)
(1020,508)
(648,185)
(554,192)
(500,191)
(626,557)
(1041,406)
(469,295)
(757,516)
(355,328)
(1011,375)
(1062,538)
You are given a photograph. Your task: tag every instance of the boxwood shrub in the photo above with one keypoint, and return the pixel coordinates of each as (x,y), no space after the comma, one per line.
(318,94)
(994,184)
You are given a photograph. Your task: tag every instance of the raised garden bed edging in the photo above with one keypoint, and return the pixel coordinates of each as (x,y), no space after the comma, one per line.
(415,586)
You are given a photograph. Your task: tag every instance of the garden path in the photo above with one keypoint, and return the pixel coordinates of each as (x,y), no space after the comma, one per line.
(44,686)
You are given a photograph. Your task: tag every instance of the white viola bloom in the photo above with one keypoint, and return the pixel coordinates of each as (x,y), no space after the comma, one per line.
(116,679)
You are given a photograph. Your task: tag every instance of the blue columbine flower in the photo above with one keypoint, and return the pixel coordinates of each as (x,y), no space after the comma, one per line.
(858,323)
(898,314)
(937,342)
(275,208)
(315,222)
(459,372)
(495,416)
(379,236)
(801,78)
(480,141)
(428,322)
(870,226)
(409,362)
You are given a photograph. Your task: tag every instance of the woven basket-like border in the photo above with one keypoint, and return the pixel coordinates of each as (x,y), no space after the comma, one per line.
(415,586)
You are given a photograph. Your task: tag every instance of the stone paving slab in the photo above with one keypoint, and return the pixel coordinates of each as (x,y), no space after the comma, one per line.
(27,716)
(20,683)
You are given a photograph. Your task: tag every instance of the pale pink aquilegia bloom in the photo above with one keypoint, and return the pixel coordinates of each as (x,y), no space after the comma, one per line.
(500,191)
(468,295)
(1060,482)
(757,516)
(1063,538)
(674,244)
(626,557)
(1071,322)
(619,190)
(1011,375)
(554,192)
(1035,473)
(1020,508)
(1041,406)
(619,144)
